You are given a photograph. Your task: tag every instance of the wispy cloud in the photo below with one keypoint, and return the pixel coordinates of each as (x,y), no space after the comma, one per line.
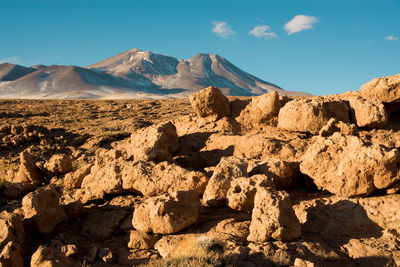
(392,38)
(14,60)
(300,23)
(263,31)
(222,29)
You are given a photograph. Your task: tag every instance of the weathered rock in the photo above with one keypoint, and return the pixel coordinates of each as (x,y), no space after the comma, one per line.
(260,110)
(140,240)
(59,164)
(74,179)
(100,225)
(42,211)
(155,143)
(385,89)
(51,257)
(227,170)
(279,171)
(273,217)
(28,172)
(11,228)
(189,125)
(11,255)
(210,102)
(311,114)
(348,167)
(333,126)
(241,194)
(167,214)
(153,179)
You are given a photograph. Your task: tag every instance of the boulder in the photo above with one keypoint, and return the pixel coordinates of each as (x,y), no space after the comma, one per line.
(273,217)
(155,143)
(385,89)
(279,171)
(210,102)
(333,126)
(347,166)
(42,211)
(152,179)
(167,214)
(51,257)
(28,171)
(241,194)
(11,228)
(74,179)
(311,114)
(59,164)
(11,255)
(260,111)
(227,170)
(140,240)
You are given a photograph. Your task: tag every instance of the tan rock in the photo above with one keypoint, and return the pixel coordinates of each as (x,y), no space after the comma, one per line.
(241,194)
(155,143)
(302,263)
(28,172)
(273,217)
(167,214)
(189,125)
(51,257)
(140,240)
(349,167)
(210,102)
(42,211)
(311,114)
(11,228)
(154,179)
(74,179)
(11,255)
(333,126)
(385,89)
(59,164)
(167,244)
(260,110)
(279,171)
(227,170)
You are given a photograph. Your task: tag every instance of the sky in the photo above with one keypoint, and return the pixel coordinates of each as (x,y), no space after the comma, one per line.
(314,46)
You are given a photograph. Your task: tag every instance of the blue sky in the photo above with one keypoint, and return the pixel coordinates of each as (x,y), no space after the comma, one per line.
(336,45)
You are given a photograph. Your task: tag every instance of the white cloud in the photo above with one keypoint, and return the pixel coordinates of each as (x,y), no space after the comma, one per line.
(392,38)
(263,31)
(300,23)
(14,60)
(222,29)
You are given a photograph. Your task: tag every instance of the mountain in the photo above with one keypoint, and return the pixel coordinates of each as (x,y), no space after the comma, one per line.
(11,72)
(133,74)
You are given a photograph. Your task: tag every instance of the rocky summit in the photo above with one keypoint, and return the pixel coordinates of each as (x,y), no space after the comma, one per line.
(211,180)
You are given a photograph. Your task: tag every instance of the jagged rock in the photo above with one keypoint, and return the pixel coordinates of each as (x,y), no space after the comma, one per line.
(210,102)
(11,255)
(140,240)
(227,170)
(153,179)
(333,126)
(11,228)
(241,194)
(155,143)
(311,114)
(302,263)
(51,257)
(42,211)
(279,171)
(346,166)
(59,164)
(189,125)
(385,89)
(74,179)
(349,167)
(167,214)
(273,217)
(28,172)
(260,110)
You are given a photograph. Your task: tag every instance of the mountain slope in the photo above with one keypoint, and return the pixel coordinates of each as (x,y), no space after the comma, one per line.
(11,72)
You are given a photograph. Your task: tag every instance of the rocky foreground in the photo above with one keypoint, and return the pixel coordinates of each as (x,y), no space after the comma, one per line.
(262,181)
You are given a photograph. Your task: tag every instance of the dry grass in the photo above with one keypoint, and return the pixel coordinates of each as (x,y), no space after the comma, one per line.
(5,167)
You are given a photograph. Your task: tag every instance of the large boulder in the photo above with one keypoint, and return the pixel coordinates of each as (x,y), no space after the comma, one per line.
(260,111)
(273,217)
(42,211)
(59,164)
(11,255)
(167,214)
(311,114)
(210,102)
(385,89)
(155,143)
(152,179)
(28,171)
(227,170)
(347,166)
(279,171)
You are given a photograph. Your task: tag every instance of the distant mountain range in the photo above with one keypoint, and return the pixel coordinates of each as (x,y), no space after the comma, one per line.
(132,74)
